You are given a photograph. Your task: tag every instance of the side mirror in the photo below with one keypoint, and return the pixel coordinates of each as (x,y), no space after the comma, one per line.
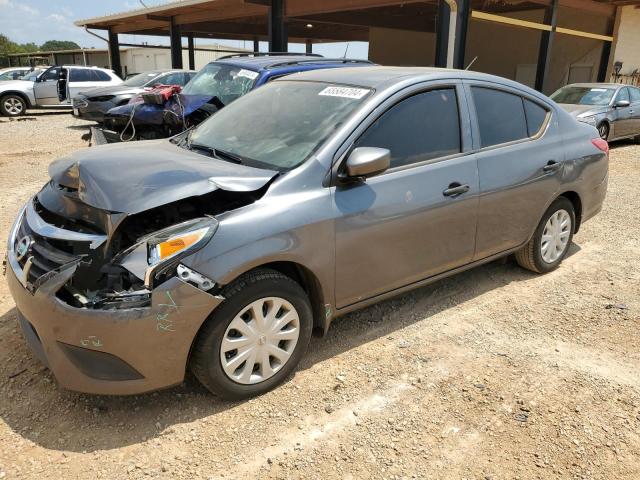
(622,103)
(365,162)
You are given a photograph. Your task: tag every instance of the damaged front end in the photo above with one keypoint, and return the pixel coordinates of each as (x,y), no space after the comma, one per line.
(154,117)
(97,277)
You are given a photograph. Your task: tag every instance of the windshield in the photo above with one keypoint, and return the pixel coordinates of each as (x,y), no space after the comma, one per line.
(584,95)
(33,76)
(141,79)
(280,125)
(226,82)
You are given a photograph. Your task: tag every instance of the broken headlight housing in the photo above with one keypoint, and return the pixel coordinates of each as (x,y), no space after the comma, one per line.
(166,247)
(160,252)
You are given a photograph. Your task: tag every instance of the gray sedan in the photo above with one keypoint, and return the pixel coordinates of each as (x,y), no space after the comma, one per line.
(93,104)
(613,108)
(221,249)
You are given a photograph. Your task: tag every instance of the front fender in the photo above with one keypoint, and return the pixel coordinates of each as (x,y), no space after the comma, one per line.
(296,228)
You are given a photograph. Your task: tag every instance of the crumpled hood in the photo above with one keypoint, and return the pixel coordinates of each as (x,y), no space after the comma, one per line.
(137,176)
(111,90)
(583,110)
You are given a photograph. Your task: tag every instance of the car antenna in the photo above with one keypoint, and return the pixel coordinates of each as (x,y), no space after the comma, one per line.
(472,62)
(346,50)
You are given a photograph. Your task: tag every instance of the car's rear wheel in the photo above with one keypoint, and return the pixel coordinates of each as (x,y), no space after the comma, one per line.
(603,130)
(551,240)
(12,105)
(255,338)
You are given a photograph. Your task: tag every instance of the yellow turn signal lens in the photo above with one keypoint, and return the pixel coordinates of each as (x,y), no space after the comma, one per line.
(176,244)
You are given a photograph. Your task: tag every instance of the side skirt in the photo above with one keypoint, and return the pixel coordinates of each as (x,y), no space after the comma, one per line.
(422,283)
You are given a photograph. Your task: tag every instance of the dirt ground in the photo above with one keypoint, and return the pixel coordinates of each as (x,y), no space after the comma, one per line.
(492,374)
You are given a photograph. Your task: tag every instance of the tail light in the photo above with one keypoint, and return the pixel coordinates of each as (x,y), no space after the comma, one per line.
(601,144)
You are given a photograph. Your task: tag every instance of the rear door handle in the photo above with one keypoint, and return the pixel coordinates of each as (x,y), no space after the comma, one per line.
(551,166)
(455,189)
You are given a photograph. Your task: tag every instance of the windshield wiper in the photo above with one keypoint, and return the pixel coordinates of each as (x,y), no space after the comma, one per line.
(214,152)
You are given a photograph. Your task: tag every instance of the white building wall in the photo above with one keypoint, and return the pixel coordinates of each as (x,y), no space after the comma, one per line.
(137,60)
(627,48)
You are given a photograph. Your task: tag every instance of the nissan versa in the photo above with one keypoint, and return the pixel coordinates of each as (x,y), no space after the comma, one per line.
(220,250)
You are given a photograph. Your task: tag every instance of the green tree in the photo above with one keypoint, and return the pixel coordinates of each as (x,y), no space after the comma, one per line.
(59,45)
(7,46)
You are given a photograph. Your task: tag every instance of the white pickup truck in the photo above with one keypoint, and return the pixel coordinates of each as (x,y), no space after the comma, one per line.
(54,87)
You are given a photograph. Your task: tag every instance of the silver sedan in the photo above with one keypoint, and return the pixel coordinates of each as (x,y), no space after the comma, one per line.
(613,108)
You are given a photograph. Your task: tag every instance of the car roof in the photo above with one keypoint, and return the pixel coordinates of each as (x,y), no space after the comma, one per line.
(272,62)
(596,85)
(378,77)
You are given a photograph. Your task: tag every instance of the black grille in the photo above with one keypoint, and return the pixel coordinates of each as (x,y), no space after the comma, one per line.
(46,254)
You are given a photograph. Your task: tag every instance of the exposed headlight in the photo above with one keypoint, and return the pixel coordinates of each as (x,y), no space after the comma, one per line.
(173,241)
(590,120)
(161,251)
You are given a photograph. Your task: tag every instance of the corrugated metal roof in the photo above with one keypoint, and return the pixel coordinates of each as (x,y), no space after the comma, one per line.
(142,11)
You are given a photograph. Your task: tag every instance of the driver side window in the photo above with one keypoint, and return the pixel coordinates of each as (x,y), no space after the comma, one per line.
(52,74)
(421,127)
(623,94)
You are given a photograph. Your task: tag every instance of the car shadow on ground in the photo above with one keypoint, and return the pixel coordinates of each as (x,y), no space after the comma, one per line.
(53,418)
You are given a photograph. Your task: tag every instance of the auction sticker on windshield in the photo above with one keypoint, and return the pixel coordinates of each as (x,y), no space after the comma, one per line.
(247,74)
(344,92)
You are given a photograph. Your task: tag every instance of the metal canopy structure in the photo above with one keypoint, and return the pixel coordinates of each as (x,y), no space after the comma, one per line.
(317,21)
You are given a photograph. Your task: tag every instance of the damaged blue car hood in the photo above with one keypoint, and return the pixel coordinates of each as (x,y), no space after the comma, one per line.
(134,177)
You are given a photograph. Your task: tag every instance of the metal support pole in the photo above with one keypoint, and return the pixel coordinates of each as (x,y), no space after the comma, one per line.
(604,62)
(442,34)
(256,45)
(114,53)
(546,45)
(461,27)
(192,53)
(309,49)
(605,56)
(278,39)
(451,35)
(175,36)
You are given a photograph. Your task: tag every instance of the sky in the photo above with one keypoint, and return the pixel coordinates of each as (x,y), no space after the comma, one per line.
(37,21)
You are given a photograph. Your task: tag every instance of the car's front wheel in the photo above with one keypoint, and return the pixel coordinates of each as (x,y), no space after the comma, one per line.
(603,130)
(255,338)
(12,105)
(551,240)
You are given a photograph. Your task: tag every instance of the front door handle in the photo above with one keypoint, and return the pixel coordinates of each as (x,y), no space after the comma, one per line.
(551,166)
(455,189)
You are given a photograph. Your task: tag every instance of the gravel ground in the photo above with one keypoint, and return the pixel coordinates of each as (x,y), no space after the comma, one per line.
(495,373)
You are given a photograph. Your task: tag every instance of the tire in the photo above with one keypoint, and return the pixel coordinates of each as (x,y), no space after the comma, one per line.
(12,105)
(531,256)
(604,130)
(262,285)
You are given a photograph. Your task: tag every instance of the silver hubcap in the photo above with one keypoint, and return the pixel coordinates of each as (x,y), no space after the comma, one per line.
(13,106)
(260,340)
(555,237)
(603,131)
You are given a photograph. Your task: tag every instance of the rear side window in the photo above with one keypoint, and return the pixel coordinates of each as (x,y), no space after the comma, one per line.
(501,116)
(419,128)
(100,76)
(80,75)
(536,115)
(634,94)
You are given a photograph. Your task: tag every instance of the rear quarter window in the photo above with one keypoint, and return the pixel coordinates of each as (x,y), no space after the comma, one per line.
(536,116)
(501,116)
